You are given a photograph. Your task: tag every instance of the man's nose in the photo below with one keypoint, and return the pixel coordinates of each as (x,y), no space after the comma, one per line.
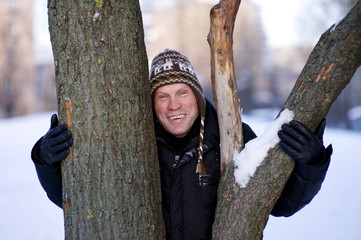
(174,104)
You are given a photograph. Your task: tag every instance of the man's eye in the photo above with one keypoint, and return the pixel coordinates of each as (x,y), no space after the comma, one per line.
(162,97)
(183,93)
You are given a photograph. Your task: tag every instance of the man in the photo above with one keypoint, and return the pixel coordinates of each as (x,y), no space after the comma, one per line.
(187,135)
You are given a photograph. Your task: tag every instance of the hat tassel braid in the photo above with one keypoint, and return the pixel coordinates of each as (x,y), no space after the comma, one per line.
(201,170)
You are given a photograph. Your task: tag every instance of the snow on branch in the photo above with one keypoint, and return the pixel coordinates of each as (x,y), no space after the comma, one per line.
(247,161)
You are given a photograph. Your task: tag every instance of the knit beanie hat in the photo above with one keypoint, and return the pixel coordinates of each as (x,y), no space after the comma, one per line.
(170,67)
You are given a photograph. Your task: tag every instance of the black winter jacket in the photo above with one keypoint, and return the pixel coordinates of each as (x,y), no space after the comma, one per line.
(188,201)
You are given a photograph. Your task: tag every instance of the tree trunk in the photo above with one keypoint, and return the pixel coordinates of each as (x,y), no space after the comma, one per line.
(111,187)
(242,213)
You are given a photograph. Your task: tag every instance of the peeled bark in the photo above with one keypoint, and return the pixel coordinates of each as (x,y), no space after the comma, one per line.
(220,39)
(111,187)
(242,213)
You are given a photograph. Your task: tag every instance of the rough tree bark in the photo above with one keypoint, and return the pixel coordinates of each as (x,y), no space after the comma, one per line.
(111,187)
(243,213)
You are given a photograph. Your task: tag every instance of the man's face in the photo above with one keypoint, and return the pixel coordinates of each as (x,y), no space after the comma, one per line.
(176,108)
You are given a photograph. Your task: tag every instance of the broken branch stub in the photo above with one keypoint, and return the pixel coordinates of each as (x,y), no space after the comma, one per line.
(220,39)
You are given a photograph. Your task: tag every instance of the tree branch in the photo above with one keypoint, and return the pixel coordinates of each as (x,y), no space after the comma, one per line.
(220,39)
(242,213)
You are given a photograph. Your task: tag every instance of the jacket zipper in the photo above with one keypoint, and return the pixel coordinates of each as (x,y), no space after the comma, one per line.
(176,160)
(177,157)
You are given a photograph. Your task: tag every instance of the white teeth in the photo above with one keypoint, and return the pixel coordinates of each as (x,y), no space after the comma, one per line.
(177,117)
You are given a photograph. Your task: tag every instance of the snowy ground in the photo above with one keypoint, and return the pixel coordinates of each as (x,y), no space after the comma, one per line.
(28,214)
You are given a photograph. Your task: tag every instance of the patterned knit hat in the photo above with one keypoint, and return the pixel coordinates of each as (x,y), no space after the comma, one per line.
(170,67)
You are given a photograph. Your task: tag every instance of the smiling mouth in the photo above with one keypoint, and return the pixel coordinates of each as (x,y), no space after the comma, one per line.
(177,117)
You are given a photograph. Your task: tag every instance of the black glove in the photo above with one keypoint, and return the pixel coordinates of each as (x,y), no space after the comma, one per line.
(304,146)
(55,143)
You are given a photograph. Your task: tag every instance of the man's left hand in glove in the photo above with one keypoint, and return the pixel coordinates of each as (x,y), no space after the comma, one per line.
(304,146)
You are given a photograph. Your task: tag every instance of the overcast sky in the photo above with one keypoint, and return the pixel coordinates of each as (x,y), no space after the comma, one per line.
(280,19)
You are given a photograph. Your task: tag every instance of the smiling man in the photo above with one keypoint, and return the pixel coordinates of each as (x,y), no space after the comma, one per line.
(187,135)
(176,108)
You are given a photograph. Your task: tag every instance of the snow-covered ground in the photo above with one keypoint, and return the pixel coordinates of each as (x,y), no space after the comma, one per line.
(26,212)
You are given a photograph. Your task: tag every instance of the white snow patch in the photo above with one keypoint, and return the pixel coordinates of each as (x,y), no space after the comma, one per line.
(247,161)
(335,25)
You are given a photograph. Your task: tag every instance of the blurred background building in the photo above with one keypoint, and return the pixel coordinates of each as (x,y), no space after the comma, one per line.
(26,86)
(265,74)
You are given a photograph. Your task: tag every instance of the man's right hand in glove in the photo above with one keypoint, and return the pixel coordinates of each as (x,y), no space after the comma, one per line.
(55,143)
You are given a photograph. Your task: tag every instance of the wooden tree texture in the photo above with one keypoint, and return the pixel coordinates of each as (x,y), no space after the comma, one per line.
(243,213)
(220,39)
(111,187)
